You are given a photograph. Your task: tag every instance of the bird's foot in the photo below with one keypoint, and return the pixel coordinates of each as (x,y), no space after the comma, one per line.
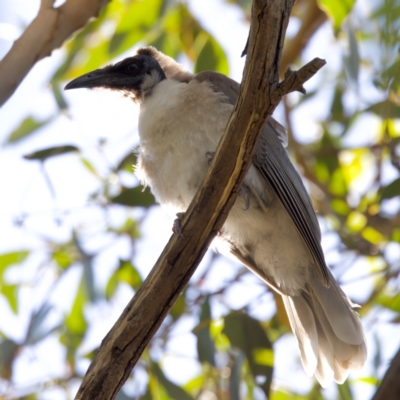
(210,155)
(176,227)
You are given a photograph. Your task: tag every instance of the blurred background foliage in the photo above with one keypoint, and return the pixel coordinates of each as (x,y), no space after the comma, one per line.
(351,164)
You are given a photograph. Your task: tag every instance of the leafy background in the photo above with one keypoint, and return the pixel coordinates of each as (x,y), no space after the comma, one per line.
(79,235)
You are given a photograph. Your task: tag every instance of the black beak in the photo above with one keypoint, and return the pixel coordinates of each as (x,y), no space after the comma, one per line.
(95,78)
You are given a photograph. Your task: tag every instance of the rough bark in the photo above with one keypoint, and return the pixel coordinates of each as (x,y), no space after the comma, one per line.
(389,389)
(260,93)
(48,31)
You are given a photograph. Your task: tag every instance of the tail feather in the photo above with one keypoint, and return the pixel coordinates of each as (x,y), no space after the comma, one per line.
(303,326)
(338,309)
(324,371)
(328,331)
(340,372)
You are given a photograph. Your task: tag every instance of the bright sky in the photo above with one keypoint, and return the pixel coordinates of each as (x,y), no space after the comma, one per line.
(95,115)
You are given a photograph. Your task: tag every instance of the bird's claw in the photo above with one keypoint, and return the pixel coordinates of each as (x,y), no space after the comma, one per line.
(176,227)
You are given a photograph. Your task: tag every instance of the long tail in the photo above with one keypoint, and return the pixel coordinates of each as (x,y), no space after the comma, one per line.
(328,331)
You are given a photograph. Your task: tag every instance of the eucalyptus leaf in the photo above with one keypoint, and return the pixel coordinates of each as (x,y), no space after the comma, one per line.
(337,11)
(134,197)
(248,335)
(42,155)
(391,190)
(75,320)
(385,109)
(28,126)
(205,345)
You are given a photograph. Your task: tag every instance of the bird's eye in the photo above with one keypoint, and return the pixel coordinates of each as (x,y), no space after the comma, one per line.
(132,67)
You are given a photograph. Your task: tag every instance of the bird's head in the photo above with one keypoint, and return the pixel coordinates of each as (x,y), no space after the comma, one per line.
(135,76)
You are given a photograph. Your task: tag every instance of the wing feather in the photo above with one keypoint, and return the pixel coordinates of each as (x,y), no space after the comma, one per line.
(274,165)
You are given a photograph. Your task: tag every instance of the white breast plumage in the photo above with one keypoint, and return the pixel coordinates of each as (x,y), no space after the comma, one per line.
(173,143)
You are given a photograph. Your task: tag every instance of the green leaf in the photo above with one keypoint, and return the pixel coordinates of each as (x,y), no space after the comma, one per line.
(248,335)
(10,293)
(87,263)
(327,156)
(352,61)
(132,28)
(59,96)
(337,11)
(345,391)
(392,302)
(371,380)
(392,76)
(356,221)
(42,155)
(195,384)
(264,357)
(63,259)
(9,259)
(134,197)
(211,57)
(65,254)
(8,350)
(396,235)
(71,341)
(391,190)
(340,207)
(173,390)
(75,321)
(129,227)
(125,272)
(234,381)
(338,183)
(76,45)
(337,109)
(179,307)
(37,330)
(205,345)
(385,109)
(89,166)
(372,235)
(28,126)
(128,162)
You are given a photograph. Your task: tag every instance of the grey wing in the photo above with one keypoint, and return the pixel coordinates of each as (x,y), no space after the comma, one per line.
(274,165)
(230,88)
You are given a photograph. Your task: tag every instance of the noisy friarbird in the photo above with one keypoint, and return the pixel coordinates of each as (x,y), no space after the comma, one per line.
(272,227)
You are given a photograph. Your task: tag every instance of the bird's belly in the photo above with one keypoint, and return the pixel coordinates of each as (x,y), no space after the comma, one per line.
(172,179)
(270,239)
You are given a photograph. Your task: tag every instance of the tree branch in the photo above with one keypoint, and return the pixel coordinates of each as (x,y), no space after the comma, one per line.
(389,389)
(259,95)
(47,32)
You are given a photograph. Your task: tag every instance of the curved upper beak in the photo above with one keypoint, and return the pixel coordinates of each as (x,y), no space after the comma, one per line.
(95,78)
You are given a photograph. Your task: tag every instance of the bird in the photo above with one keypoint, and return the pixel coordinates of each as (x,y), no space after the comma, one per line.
(272,227)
